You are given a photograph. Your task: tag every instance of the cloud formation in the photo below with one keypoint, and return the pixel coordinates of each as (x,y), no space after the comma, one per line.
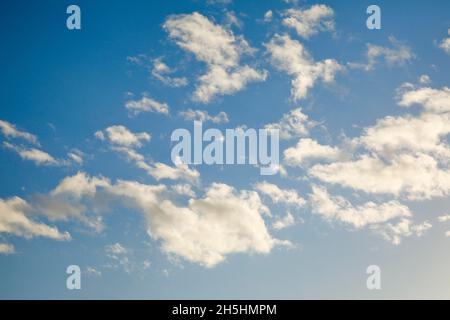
(291,56)
(219,49)
(308,22)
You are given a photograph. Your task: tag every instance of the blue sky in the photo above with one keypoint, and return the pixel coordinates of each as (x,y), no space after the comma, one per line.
(86,117)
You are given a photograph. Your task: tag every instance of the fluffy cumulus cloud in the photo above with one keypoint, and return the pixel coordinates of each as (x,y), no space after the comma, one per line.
(147,104)
(121,136)
(219,49)
(307,150)
(397,54)
(405,156)
(291,56)
(14,220)
(206,230)
(292,124)
(203,116)
(308,22)
(445,43)
(279,195)
(414,176)
(431,99)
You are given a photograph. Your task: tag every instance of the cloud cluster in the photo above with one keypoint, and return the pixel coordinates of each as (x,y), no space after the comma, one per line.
(308,22)
(292,124)
(397,54)
(291,56)
(127,143)
(161,71)
(9,130)
(219,49)
(222,222)
(146,104)
(281,196)
(407,155)
(203,116)
(15,220)
(32,153)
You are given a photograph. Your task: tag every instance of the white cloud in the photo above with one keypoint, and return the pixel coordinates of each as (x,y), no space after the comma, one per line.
(219,49)
(224,221)
(161,71)
(120,136)
(203,116)
(339,209)
(391,220)
(120,257)
(146,104)
(290,56)
(394,232)
(161,171)
(278,195)
(444,218)
(14,221)
(232,20)
(292,124)
(308,149)
(268,16)
(32,154)
(416,176)
(433,100)
(6,248)
(184,189)
(405,156)
(447,233)
(64,202)
(79,185)
(9,130)
(93,271)
(76,156)
(424,79)
(423,133)
(445,43)
(284,222)
(398,54)
(308,22)
(116,249)
(125,142)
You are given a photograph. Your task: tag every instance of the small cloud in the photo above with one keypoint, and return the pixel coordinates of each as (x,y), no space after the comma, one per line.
(9,130)
(268,16)
(147,104)
(424,79)
(203,116)
(6,248)
(93,271)
(284,222)
(445,43)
